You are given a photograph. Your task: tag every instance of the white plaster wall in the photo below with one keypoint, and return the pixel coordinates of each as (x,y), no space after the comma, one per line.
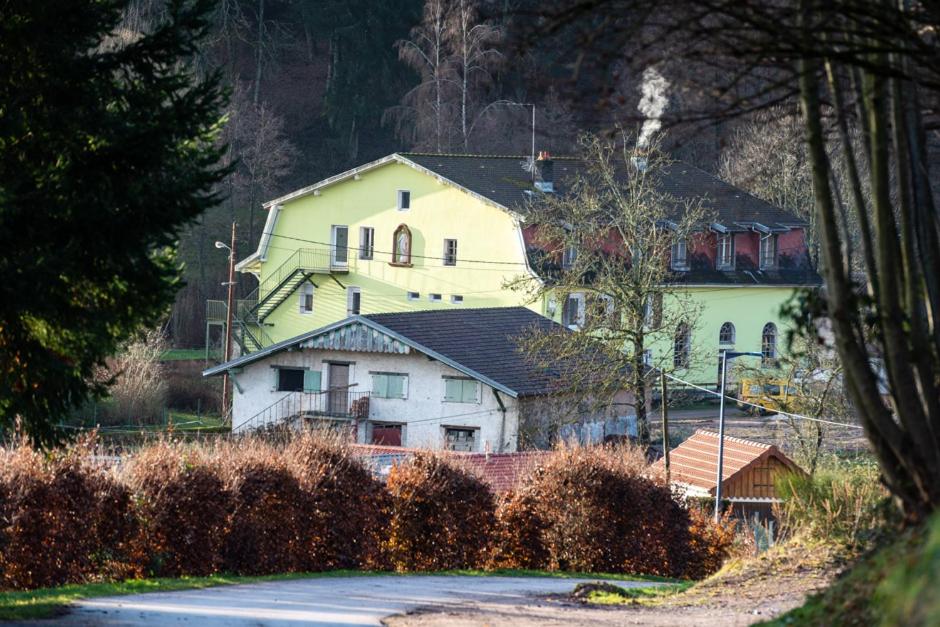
(424,413)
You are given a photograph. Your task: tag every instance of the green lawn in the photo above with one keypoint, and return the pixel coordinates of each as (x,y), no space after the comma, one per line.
(48,602)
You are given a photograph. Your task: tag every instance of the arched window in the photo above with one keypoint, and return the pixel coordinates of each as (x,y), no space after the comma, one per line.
(401,246)
(768,344)
(682,345)
(726,334)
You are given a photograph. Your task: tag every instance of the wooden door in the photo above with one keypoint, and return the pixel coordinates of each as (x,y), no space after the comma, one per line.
(339,389)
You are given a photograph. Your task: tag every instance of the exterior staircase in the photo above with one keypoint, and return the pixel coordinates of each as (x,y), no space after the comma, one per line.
(333,408)
(250,313)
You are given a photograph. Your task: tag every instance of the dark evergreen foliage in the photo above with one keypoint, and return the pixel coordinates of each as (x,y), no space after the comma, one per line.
(106,152)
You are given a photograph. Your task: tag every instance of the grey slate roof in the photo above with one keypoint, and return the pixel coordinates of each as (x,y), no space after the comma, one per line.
(504,180)
(478,342)
(480,339)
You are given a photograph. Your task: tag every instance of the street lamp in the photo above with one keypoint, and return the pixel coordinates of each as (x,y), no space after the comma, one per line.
(725,356)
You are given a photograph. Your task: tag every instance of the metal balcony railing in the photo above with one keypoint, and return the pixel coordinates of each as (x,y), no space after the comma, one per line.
(309,407)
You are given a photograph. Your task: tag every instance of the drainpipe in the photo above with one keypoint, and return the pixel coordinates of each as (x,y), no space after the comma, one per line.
(502,426)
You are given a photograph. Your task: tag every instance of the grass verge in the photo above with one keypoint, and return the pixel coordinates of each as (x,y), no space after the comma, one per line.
(50,602)
(608,594)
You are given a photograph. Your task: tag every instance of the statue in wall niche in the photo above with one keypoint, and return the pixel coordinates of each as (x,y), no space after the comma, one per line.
(402,245)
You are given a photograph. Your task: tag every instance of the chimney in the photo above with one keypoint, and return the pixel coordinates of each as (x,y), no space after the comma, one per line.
(546,171)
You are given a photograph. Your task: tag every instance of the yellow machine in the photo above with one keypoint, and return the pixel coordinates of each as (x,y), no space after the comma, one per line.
(771,395)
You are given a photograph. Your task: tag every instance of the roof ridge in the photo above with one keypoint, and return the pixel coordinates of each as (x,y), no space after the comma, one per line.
(469,155)
(735,439)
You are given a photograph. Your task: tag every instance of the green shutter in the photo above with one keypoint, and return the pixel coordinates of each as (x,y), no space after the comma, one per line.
(311,380)
(396,386)
(469,391)
(380,385)
(453,390)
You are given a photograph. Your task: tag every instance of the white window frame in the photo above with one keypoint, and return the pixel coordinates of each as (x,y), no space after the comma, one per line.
(734,333)
(366,242)
(769,357)
(674,258)
(351,292)
(569,256)
(724,260)
(476,435)
(435,297)
(456,299)
(334,249)
(402,194)
(307,289)
(577,297)
(448,258)
(771,241)
(413,295)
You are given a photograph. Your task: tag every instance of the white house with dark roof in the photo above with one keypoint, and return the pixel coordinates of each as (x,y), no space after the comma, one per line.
(443,379)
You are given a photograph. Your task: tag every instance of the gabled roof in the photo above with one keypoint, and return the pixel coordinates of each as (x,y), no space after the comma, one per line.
(695,461)
(480,343)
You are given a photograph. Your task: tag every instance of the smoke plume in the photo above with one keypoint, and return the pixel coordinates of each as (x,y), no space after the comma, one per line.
(652,104)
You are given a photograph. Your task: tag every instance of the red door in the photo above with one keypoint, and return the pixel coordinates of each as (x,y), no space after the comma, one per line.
(386,435)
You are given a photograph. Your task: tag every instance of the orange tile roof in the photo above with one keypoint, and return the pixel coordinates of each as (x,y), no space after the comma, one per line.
(695,461)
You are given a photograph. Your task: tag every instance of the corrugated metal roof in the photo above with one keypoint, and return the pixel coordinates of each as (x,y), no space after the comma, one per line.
(695,461)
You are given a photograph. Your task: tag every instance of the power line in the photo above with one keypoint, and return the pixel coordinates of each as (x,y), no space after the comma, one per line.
(437,257)
(785,413)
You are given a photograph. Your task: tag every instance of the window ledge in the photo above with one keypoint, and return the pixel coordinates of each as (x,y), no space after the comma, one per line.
(400,265)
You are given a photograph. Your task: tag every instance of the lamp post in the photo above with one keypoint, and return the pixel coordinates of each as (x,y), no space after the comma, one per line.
(725,356)
(227,348)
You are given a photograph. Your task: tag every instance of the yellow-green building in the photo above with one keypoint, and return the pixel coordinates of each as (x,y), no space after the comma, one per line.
(427,231)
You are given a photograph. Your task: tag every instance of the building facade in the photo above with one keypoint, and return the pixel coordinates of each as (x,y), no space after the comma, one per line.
(434,379)
(422,231)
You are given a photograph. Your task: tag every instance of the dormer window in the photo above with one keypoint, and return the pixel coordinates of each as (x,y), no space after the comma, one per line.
(768,252)
(404,199)
(401,246)
(569,256)
(680,255)
(725,258)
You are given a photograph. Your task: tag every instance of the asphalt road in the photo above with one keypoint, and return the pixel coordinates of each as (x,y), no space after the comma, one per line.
(318,601)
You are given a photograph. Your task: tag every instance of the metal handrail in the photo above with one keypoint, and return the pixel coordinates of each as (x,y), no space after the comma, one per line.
(313,259)
(335,403)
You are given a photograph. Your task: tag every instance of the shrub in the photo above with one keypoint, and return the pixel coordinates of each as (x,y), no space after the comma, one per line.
(188,390)
(842,503)
(518,537)
(62,519)
(183,509)
(343,507)
(595,510)
(266,523)
(138,390)
(710,544)
(442,516)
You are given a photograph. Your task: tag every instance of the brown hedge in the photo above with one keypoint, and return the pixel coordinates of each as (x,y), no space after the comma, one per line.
(344,507)
(442,516)
(183,509)
(309,504)
(62,519)
(596,510)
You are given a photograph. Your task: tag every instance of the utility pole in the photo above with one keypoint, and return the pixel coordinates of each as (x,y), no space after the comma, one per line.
(227,350)
(721,434)
(725,356)
(664,405)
